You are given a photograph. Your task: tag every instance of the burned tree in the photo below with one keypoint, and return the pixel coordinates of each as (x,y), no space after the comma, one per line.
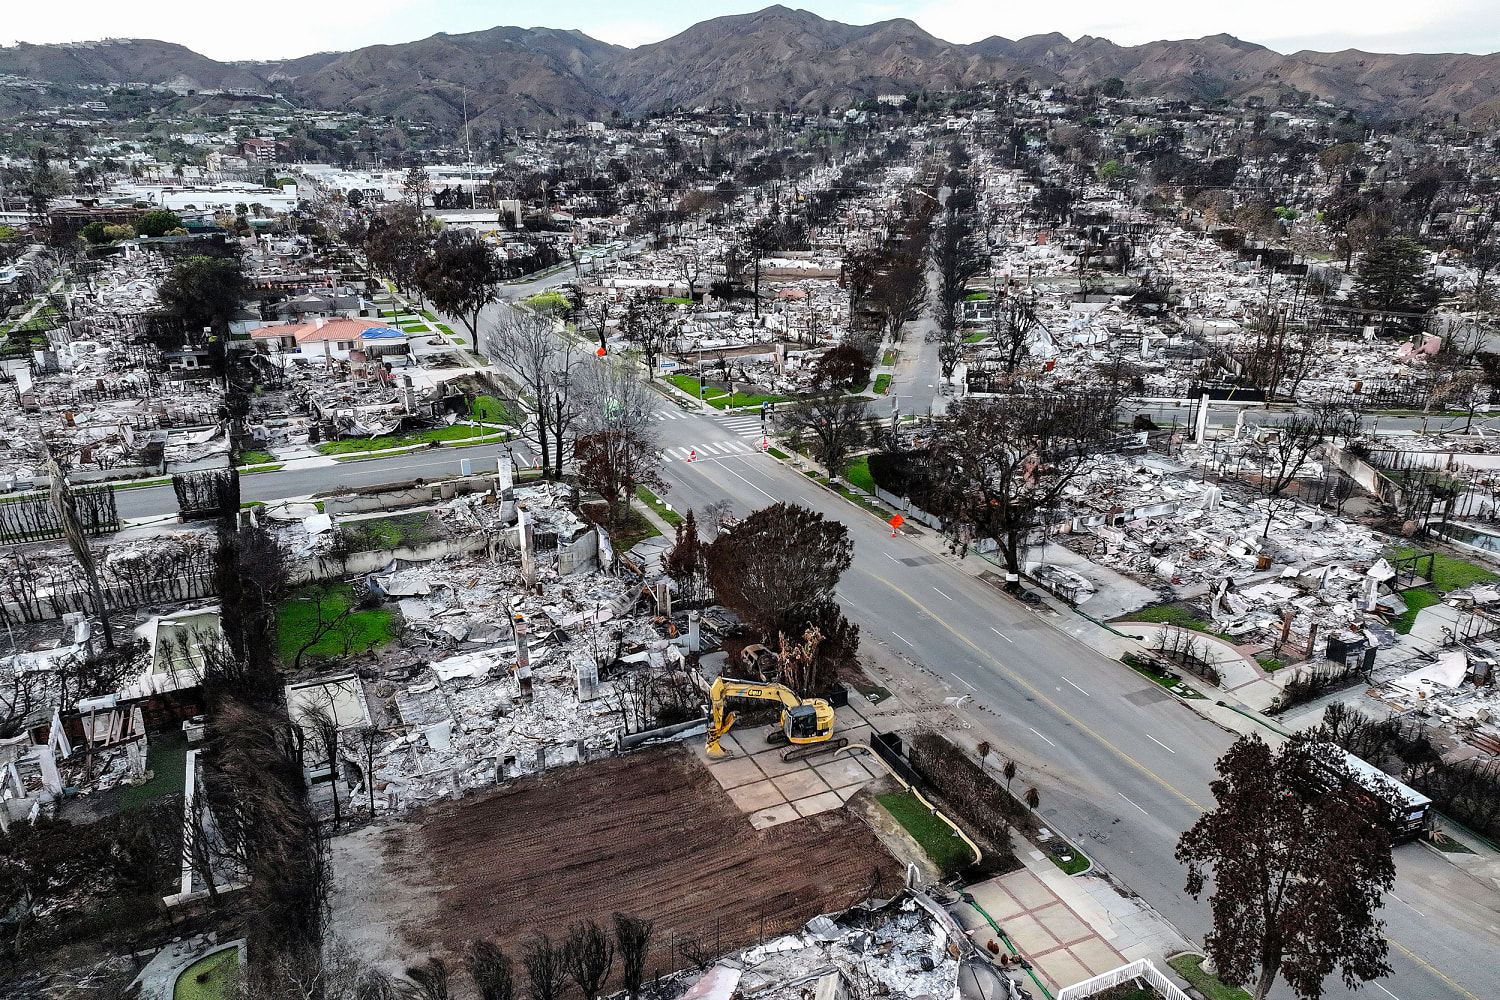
(1286,447)
(634,938)
(1000,465)
(546,968)
(491,970)
(590,956)
(67,514)
(833,423)
(1298,871)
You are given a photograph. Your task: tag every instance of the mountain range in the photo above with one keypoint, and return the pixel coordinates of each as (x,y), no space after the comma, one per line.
(776,57)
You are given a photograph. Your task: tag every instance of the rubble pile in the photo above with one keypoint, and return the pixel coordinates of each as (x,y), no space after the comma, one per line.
(897,948)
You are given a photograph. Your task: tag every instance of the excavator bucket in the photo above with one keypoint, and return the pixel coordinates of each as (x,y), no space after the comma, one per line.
(716,733)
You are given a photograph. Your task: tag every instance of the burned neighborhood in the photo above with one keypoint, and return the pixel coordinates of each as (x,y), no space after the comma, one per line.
(748,516)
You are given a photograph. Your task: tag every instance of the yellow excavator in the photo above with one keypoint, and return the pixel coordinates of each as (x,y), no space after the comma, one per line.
(807,724)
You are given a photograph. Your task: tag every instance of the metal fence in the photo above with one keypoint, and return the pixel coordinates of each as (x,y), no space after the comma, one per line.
(31,517)
(1141,969)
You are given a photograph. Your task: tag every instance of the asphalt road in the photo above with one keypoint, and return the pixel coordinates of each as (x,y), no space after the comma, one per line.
(1123,767)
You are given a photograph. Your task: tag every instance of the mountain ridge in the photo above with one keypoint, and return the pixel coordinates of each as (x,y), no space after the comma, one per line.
(775,57)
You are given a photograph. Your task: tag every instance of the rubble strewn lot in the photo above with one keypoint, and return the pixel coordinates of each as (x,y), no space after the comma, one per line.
(649,834)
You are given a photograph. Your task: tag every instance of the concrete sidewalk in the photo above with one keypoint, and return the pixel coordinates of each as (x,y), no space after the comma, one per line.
(1069,928)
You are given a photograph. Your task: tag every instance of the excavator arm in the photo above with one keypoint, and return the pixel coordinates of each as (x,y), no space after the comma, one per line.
(724,688)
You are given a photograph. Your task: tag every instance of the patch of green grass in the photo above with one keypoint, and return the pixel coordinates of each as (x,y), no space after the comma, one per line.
(636,529)
(1415,600)
(142,484)
(1449,573)
(1076,861)
(1190,967)
(256,457)
(936,837)
(1448,845)
(882,383)
(373,534)
(975,337)
(1177,687)
(777,452)
(1270,664)
(453,433)
(655,503)
(889,358)
(166,759)
(1172,614)
(358,631)
(217,972)
(977,297)
(858,474)
(273,467)
(493,411)
(674,300)
(446,329)
(872,693)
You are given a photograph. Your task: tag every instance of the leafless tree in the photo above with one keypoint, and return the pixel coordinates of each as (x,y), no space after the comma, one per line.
(999,464)
(546,969)
(834,423)
(366,745)
(322,729)
(491,970)
(1286,447)
(633,935)
(591,956)
(428,981)
(543,368)
(67,513)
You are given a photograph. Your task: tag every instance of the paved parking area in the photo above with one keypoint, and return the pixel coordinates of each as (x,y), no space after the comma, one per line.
(772,791)
(1046,928)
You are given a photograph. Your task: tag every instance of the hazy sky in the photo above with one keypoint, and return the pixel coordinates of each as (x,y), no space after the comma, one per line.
(251,31)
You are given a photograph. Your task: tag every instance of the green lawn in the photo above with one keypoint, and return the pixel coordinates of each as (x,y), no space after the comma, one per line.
(297,621)
(719,398)
(1416,600)
(455,432)
(377,533)
(778,453)
(677,301)
(936,837)
(1171,614)
(636,529)
(1449,573)
(882,383)
(975,337)
(216,972)
(655,503)
(493,411)
(166,759)
(858,474)
(1076,861)
(1190,967)
(1176,687)
(256,457)
(889,358)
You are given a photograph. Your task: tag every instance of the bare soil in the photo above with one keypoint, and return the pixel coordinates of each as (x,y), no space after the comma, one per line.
(650,835)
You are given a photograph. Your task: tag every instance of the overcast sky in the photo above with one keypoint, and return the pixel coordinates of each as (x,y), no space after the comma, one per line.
(262,31)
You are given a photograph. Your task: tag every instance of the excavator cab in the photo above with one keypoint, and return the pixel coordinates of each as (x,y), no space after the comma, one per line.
(800,723)
(811,722)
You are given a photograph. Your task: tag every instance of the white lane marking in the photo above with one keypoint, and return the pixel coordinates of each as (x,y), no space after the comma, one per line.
(749,483)
(713,449)
(1085,693)
(1127,799)
(1000,633)
(804,499)
(1408,905)
(1049,742)
(965,683)
(1387,992)
(891,557)
(904,639)
(940,592)
(1159,743)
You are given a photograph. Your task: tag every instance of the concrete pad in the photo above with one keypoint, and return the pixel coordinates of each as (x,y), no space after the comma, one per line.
(998,903)
(756,796)
(1097,956)
(814,804)
(800,784)
(842,771)
(1062,923)
(774,816)
(1029,936)
(1060,967)
(847,792)
(732,772)
(770,762)
(1027,888)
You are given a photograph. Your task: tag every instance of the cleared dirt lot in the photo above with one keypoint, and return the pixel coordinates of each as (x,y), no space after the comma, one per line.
(652,835)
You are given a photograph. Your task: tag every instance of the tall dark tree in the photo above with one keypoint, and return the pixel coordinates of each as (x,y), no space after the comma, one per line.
(204,292)
(1001,464)
(491,969)
(546,965)
(633,935)
(462,276)
(1298,867)
(591,956)
(834,425)
(1393,277)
